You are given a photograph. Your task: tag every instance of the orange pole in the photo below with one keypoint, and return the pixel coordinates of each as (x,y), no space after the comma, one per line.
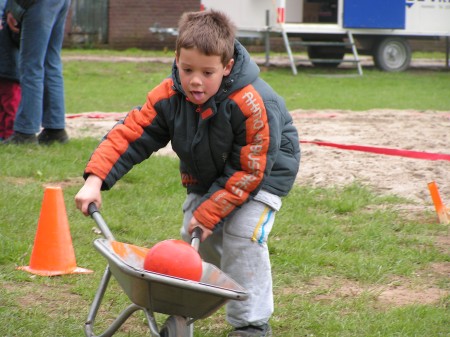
(441,210)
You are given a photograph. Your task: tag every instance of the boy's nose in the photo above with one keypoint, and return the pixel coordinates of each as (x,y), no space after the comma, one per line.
(196,80)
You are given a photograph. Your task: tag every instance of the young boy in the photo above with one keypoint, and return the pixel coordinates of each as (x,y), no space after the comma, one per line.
(238,149)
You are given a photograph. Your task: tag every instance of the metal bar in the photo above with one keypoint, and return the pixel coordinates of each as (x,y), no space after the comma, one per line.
(118,322)
(267,38)
(153,326)
(89,325)
(355,53)
(332,60)
(289,51)
(323,43)
(447,52)
(95,214)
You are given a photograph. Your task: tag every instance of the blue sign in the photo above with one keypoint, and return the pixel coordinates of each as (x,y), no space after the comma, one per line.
(379,14)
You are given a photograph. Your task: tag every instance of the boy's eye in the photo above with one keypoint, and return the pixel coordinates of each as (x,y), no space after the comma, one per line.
(208,73)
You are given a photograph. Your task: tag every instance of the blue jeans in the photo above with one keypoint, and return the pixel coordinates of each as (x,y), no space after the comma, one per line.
(40,66)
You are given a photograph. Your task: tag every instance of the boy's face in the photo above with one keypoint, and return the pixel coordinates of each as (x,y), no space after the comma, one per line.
(201,75)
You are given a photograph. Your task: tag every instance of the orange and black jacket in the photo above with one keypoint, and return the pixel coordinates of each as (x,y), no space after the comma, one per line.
(238,142)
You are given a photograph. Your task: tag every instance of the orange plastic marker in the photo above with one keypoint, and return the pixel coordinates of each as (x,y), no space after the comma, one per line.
(441,210)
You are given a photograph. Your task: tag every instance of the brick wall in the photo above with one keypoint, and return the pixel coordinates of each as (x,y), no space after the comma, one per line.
(129,22)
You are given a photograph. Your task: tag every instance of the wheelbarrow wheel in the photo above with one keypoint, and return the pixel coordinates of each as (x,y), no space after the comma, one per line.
(175,326)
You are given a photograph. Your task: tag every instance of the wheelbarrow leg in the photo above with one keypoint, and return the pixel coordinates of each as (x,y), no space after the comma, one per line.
(153,326)
(89,325)
(124,315)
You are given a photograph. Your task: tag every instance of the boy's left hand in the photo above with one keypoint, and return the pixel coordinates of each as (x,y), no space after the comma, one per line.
(195,223)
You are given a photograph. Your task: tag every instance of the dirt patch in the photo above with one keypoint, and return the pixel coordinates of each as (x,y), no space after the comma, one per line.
(324,166)
(50,298)
(400,291)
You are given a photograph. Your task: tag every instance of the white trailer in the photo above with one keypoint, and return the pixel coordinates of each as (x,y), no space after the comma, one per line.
(331,28)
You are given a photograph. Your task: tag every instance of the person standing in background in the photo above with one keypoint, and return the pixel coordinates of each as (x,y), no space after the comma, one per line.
(9,77)
(41,26)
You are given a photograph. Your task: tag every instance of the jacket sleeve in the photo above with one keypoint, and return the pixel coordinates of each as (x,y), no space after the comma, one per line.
(133,140)
(247,163)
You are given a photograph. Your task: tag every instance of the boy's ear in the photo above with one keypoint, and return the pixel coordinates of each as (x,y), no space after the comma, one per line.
(228,67)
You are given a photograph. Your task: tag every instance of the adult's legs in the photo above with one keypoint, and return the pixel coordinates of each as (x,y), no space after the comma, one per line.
(54,106)
(37,31)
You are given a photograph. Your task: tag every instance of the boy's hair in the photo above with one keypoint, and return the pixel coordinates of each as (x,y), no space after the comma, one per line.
(210,31)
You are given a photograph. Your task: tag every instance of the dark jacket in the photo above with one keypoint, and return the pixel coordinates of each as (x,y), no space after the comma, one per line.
(240,141)
(18,8)
(9,53)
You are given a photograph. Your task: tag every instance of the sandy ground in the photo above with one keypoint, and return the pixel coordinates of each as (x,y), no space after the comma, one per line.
(424,131)
(323,166)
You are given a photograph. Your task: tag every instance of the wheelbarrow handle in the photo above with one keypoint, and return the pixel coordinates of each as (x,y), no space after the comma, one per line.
(95,214)
(92,208)
(196,237)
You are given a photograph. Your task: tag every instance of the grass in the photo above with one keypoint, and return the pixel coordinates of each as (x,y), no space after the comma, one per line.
(333,250)
(415,89)
(109,86)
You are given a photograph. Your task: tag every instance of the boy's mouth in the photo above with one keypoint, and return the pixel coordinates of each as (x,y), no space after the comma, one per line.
(198,95)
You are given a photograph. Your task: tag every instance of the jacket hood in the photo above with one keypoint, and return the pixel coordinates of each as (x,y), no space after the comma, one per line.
(244,72)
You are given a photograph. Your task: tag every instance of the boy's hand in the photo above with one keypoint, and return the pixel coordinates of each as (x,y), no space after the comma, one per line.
(195,223)
(90,192)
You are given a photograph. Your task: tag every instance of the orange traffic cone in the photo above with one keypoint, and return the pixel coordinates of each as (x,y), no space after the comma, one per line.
(53,252)
(441,210)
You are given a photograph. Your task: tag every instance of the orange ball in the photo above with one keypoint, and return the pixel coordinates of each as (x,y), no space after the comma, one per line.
(174,258)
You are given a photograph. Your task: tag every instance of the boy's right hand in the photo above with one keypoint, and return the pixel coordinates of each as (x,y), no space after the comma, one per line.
(90,192)
(195,223)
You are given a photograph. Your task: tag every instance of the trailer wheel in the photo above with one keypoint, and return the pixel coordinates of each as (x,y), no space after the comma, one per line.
(392,54)
(325,57)
(175,326)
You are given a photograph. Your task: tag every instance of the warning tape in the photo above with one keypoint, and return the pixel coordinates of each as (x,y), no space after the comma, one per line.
(334,115)
(386,151)
(371,149)
(98,115)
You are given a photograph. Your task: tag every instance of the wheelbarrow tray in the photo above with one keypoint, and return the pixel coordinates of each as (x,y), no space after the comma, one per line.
(165,294)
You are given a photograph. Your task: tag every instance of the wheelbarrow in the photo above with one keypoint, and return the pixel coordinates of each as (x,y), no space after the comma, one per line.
(183,301)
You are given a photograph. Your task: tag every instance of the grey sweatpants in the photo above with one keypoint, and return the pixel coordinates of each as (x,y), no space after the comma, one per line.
(238,246)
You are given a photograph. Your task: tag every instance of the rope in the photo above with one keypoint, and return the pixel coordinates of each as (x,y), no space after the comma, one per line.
(385,151)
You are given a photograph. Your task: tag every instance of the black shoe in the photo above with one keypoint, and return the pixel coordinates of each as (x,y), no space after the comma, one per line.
(18,138)
(252,331)
(50,136)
